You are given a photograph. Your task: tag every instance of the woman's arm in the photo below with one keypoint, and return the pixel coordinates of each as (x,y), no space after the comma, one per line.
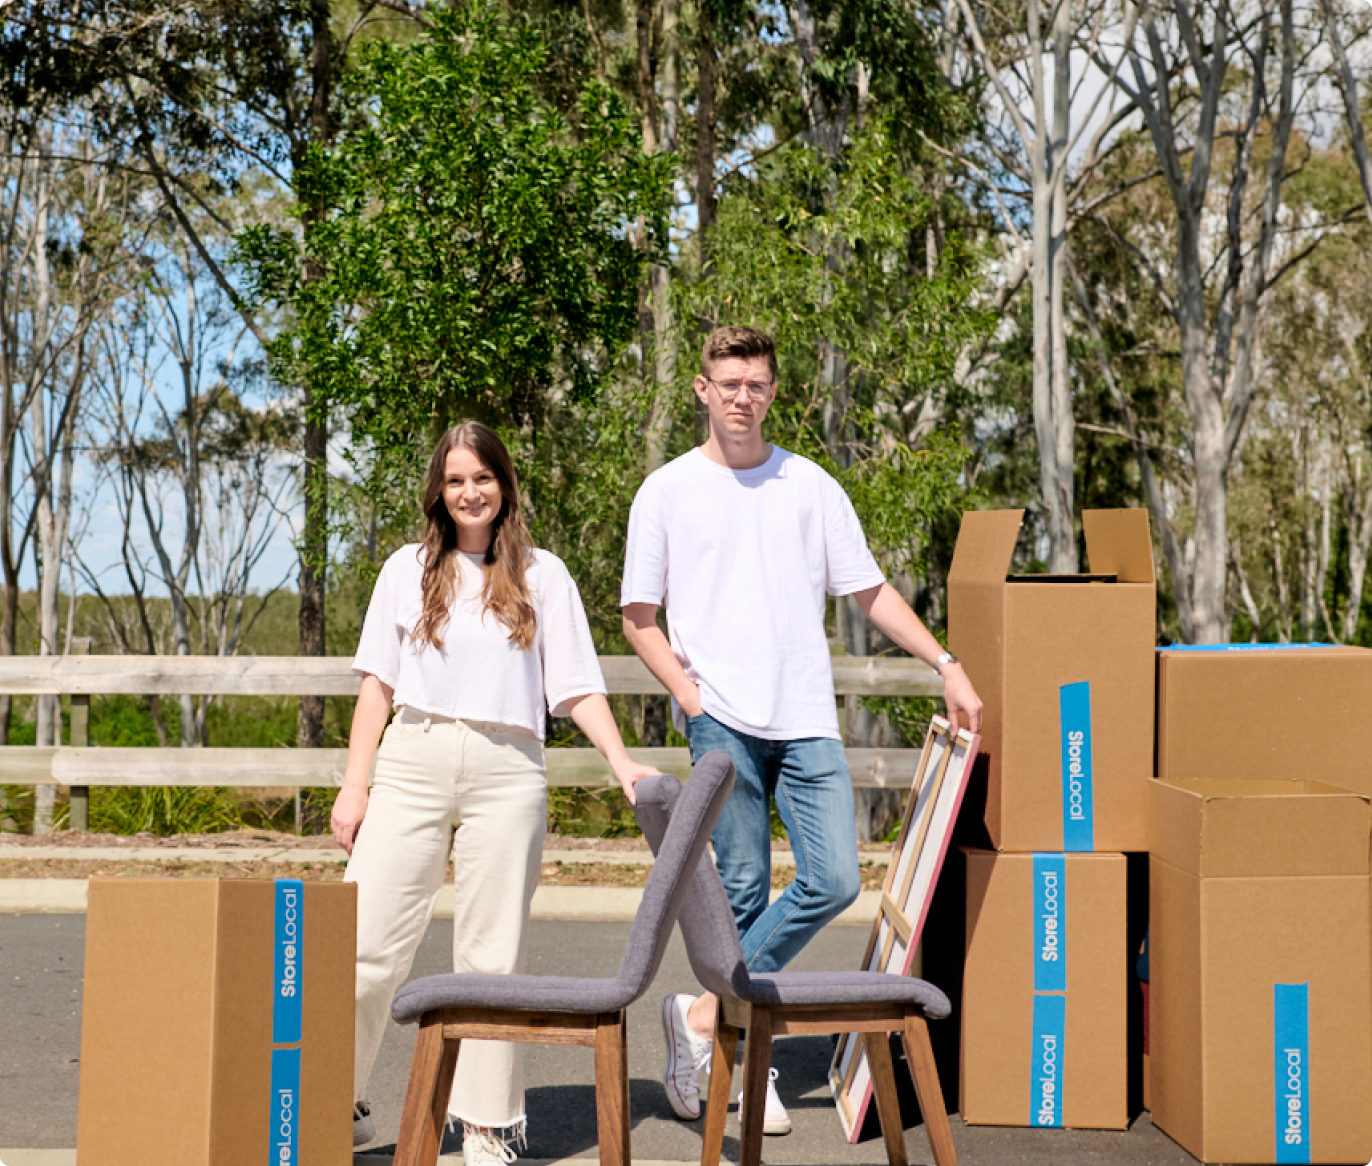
(593,717)
(372,711)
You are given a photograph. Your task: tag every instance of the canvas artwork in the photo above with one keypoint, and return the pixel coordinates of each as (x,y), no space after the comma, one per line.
(927,826)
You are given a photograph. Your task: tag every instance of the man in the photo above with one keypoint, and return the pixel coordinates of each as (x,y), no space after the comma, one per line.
(742,541)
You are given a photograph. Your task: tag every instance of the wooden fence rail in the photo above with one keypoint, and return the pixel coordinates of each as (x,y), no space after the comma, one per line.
(333,676)
(80,766)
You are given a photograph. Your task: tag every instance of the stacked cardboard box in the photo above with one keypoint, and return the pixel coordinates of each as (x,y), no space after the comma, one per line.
(1064,666)
(1267,711)
(1261,990)
(1260,963)
(217,1026)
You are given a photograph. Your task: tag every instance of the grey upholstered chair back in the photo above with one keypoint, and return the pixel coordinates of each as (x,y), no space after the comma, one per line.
(707,921)
(678,848)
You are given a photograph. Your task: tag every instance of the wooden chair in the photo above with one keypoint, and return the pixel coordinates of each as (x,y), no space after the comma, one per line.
(872,1003)
(560,1009)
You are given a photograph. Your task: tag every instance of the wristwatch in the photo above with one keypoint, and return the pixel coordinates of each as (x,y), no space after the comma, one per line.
(946,658)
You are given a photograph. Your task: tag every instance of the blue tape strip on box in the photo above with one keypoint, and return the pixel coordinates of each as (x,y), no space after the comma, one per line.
(287,1019)
(288,985)
(1240,647)
(1050,1027)
(285,1139)
(1078,804)
(1291,1049)
(1050,923)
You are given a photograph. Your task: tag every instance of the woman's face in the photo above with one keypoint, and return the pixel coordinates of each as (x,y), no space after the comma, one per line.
(471,493)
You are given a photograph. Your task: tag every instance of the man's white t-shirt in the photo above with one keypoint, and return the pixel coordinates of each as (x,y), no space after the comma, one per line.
(478,674)
(743,559)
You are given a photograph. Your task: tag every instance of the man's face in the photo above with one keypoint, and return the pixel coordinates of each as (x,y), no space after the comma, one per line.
(738,392)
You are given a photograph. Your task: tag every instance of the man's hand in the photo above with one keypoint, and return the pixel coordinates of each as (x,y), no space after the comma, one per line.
(691,707)
(960,698)
(349,808)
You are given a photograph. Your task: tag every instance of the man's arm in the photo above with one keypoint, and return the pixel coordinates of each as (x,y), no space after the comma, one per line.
(892,616)
(646,638)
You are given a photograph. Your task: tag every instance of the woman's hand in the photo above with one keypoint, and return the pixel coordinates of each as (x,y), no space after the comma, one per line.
(593,717)
(628,772)
(349,808)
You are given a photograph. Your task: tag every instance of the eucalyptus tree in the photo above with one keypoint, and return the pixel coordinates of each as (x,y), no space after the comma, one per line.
(1205,74)
(204,95)
(1048,130)
(60,266)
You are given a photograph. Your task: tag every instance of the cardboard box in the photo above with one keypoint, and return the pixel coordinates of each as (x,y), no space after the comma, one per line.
(217,1023)
(1064,666)
(1044,1024)
(1260,981)
(1268,710)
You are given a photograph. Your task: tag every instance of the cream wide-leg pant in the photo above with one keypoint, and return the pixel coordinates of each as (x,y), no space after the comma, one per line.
(479,792)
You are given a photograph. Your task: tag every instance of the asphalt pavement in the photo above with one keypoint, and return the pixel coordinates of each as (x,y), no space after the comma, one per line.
(40,1035)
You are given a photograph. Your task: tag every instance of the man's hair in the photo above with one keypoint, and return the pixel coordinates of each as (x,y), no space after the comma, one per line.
(744,343)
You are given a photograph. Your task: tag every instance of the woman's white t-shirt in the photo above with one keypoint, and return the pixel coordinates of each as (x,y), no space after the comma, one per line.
(479,674)
(743,560)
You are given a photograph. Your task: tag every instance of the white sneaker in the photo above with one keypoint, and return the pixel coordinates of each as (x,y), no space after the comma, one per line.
(775,1119)
(363,1128)
(485,1148)
(687,1054)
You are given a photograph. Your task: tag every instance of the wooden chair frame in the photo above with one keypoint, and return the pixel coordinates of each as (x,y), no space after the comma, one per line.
(875,1022)
(441,1033)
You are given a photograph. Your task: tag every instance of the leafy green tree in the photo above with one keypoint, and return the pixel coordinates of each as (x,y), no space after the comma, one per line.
(473,254)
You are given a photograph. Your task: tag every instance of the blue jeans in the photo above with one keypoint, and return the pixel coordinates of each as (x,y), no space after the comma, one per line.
(813,789)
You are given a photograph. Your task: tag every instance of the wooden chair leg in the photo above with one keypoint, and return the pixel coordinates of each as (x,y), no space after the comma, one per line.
(722,1051)
(624,1083)
(884,1092)
(426,1099)
(919,1053)
(757,1065)
(612,1089)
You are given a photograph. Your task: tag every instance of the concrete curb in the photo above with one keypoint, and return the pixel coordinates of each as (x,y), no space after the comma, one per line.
(600,904)
(68,1158)
(780,858)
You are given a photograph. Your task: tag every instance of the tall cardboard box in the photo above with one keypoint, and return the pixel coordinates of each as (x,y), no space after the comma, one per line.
(1044,1010)
(1266,710)
(217,1023)
(1064,666)
(1260,992)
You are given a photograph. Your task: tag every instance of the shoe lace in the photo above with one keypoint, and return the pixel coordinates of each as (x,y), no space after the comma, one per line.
(491,1142)
(697,1054)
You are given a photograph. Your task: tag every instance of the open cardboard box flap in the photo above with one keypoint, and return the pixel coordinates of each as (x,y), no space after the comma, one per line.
(1259,828)
(1117,543)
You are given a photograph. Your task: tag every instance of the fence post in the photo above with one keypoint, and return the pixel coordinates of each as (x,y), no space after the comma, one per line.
(79,734)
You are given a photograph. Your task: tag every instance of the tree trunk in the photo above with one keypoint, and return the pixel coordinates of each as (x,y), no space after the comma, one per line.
(314,548)
(659,424)
(1052,400)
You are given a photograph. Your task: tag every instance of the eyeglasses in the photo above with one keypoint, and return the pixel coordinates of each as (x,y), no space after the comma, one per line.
(728,390)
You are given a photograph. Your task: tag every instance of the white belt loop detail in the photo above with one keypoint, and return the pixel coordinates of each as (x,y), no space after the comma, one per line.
(427,722)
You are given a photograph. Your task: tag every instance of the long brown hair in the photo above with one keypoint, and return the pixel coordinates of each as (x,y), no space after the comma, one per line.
(504,588)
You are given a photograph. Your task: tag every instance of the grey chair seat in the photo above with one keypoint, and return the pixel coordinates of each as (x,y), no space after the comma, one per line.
(525,993)
(839,988)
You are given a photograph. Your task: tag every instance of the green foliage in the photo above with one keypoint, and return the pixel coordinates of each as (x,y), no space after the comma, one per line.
(823,257)
(164,810)
(469,247)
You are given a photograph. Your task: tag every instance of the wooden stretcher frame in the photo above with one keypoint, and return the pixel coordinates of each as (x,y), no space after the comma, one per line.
(931,810)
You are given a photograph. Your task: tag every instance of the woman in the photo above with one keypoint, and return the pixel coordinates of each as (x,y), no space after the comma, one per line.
(467,636)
